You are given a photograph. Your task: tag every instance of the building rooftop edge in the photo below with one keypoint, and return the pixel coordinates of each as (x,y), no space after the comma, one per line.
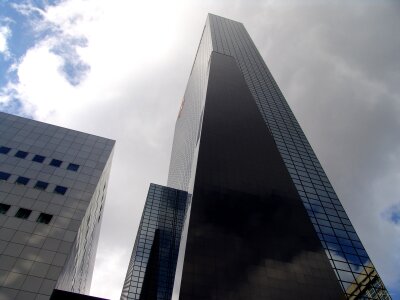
(211,14)
(46,123)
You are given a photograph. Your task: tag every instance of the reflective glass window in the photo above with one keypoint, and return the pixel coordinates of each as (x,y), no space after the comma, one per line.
(22,180)
(38,158)
(4,208)
(346,276)
(23,213)
(341,233)
(55,163)
(60,190)
(21,154)
(44,218)
(342,265)
(41,185)
(73,167)
(326,230)
(4,150)
(4,175)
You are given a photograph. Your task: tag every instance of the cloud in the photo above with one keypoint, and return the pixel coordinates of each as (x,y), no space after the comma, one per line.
(106,263)
(119,69)
(110,47)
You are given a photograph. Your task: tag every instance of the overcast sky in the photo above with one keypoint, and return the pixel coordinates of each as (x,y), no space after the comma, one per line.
(118,69)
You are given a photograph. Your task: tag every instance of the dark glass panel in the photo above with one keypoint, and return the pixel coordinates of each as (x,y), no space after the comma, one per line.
(4,208)
(21,154)
(73,167)
(248,227)
(55,163)
(4,176)
(41,185)
(60,190)
(4,150)
(22,180)
(38,158)
(44,218)
(23,213)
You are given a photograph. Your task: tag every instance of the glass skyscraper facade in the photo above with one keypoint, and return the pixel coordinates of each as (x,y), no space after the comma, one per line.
(53,184)
(151,270)
(264,221)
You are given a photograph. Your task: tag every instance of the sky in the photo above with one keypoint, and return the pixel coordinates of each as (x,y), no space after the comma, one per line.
(119,68)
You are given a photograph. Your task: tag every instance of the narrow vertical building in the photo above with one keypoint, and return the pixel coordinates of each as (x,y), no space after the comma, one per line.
(263,221)
(151,270)
(53,183)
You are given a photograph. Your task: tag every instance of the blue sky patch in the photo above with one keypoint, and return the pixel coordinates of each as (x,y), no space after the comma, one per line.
(74,68)
(395,216)
(392,214)
(14,106)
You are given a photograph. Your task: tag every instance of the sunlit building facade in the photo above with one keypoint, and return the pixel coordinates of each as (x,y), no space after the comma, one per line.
(263,221)
(53,184)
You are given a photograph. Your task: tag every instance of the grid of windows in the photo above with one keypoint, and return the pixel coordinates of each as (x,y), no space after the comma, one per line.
(39,158)
(338,237)
(24,213)
(40,185)
(189,118)
(151,270)
(65,247)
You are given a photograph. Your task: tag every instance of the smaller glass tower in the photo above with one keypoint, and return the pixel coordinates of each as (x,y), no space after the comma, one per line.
(151,270)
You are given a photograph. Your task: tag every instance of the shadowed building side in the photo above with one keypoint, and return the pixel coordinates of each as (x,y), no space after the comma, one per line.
(249,235)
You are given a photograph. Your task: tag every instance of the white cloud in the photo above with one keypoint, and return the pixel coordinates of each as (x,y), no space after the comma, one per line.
(117,50)
(107,262)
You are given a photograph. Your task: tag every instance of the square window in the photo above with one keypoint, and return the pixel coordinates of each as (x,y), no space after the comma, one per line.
(41,185)
(38,158)
(4,150)
(4,175)
(73,167)
(22,180)
(4,208)
(60,190)
(44,218)
(55,163)
(21,154)
(23,213)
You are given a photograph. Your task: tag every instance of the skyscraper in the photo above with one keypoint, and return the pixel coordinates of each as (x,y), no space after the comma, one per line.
(151,270)
(262,221)
(53,183)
